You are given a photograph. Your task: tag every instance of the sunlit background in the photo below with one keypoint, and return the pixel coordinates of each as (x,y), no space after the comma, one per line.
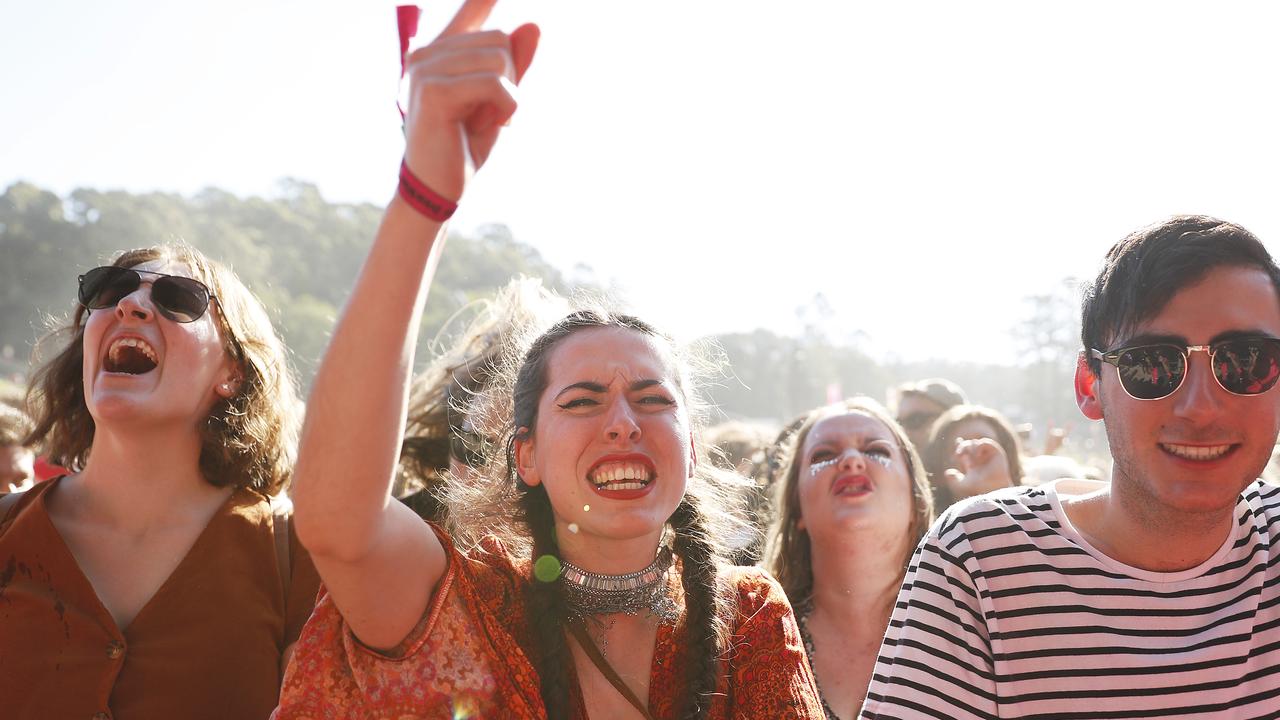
(899,176)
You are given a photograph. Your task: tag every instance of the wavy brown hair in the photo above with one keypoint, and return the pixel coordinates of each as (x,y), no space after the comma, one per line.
(449,411)
(248,440)
(789,555)
(500,504)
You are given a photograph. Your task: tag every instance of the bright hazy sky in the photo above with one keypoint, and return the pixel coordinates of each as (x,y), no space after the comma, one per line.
(924,165)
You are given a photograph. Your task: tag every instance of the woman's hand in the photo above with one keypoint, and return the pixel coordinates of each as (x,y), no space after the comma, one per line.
(461,94)
(379,561)
(983,467)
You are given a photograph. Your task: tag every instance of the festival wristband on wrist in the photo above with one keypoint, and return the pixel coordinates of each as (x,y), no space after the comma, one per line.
(426,201)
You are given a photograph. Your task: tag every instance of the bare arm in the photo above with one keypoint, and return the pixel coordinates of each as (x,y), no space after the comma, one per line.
(378,560)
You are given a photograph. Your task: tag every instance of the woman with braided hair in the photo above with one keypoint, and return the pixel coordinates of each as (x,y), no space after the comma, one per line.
(584,579)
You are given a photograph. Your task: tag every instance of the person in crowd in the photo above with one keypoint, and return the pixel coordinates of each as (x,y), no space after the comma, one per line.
(156,578)
(1153,596)
(455,409)
(971,450)
(17,459)
(742,447)
(918,404)
(596,585)
(852,503)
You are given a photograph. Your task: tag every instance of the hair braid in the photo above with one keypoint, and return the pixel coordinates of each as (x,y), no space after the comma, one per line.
(704,616)
(547,608)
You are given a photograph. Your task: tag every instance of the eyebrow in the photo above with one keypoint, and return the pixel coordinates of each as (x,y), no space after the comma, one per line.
(1160,339)
(595,387)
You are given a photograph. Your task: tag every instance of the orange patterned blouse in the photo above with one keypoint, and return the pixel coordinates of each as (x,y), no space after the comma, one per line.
(469,656)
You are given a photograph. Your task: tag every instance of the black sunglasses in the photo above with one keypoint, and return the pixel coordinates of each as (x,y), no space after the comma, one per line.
(178,298)
(1242,366)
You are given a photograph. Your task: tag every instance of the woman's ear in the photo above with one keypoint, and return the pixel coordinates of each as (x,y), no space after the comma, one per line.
(228,386)
(1088,392)
(526,467)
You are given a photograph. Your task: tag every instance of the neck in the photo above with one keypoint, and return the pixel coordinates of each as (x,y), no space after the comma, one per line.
(607,556)
(855,572)
(142,480)
(1134,529)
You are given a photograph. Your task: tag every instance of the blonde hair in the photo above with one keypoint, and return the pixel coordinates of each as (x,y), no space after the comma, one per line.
(248,440)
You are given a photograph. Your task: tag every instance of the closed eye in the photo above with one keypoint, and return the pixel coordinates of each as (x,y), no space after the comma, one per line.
(579,403)
(879,449)
(820,455)
(656,400)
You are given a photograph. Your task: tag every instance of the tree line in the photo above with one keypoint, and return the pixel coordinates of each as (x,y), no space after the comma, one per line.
(300,254)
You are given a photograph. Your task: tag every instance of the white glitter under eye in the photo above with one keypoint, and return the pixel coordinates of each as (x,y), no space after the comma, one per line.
(818,467)
(883,460)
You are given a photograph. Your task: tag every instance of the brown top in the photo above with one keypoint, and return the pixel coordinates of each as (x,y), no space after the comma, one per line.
(207,644)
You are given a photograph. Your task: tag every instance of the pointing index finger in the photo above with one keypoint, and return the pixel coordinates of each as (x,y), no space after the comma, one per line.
(469,18)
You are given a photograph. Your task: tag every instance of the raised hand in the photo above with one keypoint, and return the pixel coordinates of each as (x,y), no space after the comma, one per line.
(461,94)
(983,467)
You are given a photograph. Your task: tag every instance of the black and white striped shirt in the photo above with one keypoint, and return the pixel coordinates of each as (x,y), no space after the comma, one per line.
(1007,612)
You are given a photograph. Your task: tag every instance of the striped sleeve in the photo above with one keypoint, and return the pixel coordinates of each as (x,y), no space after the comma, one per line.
(936,660)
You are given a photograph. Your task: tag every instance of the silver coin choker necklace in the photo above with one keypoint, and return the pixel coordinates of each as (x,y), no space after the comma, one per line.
(590,595)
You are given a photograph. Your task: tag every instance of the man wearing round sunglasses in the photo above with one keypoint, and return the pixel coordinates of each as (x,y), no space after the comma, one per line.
(1156,595)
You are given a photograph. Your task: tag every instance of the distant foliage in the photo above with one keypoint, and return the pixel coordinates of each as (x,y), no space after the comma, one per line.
(299,253)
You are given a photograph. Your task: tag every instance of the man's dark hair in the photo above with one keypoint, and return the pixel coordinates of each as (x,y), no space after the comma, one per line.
(1142,272)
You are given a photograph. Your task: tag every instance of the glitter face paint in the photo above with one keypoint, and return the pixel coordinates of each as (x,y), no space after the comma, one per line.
(883,460)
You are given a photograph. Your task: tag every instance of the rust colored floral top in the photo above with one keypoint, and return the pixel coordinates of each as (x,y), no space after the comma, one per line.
(469,656)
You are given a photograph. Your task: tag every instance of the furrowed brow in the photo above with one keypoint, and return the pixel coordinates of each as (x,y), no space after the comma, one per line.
(587,385)
(643,384)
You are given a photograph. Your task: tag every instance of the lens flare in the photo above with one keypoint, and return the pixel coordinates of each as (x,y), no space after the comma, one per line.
(546,568)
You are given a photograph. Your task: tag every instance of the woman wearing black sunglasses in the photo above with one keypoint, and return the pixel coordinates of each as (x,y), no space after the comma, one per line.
(156,579)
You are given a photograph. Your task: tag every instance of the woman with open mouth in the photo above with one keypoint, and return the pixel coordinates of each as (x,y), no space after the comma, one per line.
(852,503)
(582,572)
(157,578)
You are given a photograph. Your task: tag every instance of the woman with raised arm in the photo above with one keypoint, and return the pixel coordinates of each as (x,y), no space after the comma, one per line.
(157,578)
(596,589)
(852,504)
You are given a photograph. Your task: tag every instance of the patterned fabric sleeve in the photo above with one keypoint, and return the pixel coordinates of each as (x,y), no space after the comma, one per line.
(460,660)
(936,660)
(768,671)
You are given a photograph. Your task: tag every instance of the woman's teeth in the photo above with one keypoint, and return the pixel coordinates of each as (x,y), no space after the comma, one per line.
(621,476)
(130,355)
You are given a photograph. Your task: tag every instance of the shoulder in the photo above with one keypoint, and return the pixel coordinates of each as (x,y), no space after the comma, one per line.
(13,505)
(755,592)
(1010,509)
(1261,501)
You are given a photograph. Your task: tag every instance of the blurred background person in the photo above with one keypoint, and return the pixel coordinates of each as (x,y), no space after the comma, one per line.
(853,500)
(917,404)
(742,447)
(971,450)
(17,460)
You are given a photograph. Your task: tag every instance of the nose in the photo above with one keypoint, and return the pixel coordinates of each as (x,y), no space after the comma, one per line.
(852,460)
(136,304)
(1199,400)
(621,422)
